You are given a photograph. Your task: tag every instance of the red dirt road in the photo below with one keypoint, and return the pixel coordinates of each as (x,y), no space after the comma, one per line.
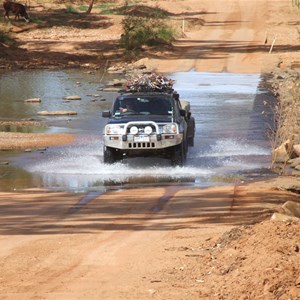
(118,245)
(237,36)
(232,39)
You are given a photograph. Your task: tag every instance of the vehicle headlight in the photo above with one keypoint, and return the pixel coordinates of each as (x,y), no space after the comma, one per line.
(114,129)
(134,130)
(170,128)
(148,130)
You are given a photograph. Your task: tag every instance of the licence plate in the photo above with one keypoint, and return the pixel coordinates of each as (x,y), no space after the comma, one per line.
(142,138)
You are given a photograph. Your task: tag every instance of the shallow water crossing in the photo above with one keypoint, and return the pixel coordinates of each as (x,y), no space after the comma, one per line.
(232,115)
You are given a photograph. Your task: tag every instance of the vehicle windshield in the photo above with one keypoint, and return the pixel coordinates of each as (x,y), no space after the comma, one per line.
(152,105)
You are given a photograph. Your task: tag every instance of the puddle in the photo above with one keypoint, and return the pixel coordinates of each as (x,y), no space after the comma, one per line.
(231,134)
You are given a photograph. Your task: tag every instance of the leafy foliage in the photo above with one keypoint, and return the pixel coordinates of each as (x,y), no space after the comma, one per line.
(106,8)
(5,38)
(71,10)
(139,31)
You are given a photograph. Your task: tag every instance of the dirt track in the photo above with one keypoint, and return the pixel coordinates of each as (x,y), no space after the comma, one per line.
(231,40)
(219,36)
(160,243)
(127,245)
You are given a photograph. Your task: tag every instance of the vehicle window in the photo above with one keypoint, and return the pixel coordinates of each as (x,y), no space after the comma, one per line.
(142,105)
(124,106)
(161,107)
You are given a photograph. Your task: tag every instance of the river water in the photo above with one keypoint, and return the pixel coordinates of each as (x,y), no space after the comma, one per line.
(232,112)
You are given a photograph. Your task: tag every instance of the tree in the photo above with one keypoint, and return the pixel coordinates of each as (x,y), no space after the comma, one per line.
(90,7)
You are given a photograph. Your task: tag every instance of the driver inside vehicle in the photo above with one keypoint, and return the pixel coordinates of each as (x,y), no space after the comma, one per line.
(128,106)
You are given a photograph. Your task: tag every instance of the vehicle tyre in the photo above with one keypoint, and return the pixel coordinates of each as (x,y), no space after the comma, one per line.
(191,131)
(179,155)
(109,155)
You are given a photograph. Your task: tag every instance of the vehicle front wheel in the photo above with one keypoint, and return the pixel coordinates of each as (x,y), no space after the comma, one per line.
(178,156)
(109,156)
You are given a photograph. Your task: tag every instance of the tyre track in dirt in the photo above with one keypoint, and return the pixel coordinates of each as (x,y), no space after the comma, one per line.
(237,43)
(114,246)
(230,40)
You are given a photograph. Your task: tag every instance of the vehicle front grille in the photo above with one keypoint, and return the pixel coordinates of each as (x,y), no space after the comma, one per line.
(141,145)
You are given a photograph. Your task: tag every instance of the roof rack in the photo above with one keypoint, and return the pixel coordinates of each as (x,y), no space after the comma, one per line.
(150,83)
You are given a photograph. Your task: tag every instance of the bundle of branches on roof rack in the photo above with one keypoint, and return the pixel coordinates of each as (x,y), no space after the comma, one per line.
(150,83)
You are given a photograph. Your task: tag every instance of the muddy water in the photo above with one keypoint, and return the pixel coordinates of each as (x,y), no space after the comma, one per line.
(232,116)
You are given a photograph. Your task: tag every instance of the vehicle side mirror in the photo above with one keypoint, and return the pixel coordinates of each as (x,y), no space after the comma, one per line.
(182,112)
(106,114)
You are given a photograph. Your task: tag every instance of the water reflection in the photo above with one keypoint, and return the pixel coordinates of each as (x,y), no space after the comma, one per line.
(51,87)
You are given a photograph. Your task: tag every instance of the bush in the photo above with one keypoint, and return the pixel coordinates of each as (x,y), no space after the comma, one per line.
(139,31)
(71,10)
(5,38)
(2,37)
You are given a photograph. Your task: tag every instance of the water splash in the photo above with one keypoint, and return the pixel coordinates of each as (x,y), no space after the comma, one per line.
(234,147)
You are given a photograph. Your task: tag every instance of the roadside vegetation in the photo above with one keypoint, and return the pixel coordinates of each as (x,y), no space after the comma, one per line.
(140,31)
(5,37)
(71,10)
(142,25)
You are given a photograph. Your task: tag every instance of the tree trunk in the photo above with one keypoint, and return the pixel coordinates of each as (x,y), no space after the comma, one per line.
(90,7)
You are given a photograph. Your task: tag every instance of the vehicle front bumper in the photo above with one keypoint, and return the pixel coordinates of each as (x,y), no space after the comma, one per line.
(153,141)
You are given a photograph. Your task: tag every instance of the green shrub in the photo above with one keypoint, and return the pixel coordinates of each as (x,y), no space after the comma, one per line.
(37,21)
(2,36)
(139,31)
(106,8)
(71,10)
(83,7)
(166,34)
(5,38)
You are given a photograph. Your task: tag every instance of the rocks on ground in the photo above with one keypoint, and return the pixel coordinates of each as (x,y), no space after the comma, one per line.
(285,84)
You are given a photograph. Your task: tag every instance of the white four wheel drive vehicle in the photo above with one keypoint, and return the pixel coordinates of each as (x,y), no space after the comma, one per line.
(148,124)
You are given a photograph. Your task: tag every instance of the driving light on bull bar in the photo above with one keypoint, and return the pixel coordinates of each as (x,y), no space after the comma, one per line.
(134,130)
(148,130)
(171,128)
(114,129)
